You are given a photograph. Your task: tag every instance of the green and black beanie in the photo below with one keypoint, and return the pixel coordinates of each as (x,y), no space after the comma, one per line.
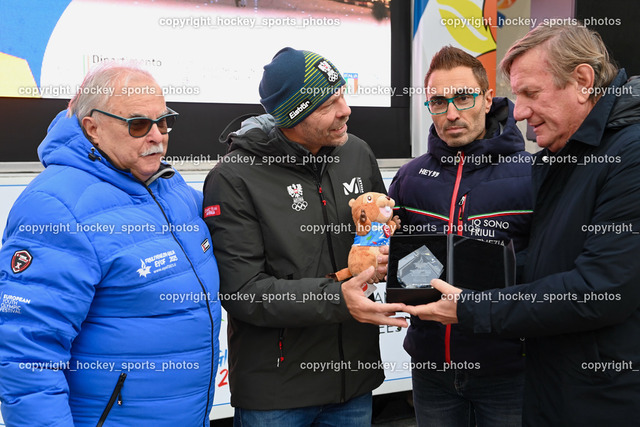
(295,83)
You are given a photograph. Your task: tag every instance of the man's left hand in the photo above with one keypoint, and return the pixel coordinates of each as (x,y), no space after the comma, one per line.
(366,311)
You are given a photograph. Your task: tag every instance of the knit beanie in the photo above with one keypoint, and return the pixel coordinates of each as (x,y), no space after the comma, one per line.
(295,83)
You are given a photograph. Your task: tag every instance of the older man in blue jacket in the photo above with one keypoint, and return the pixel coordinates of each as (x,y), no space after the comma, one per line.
(108,282)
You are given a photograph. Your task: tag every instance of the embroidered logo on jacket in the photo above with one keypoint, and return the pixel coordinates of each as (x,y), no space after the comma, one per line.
(144,269)
(295,191)
(429,173)
(159,262)
(213,210)
(354,186)
(205,245)
(20,261)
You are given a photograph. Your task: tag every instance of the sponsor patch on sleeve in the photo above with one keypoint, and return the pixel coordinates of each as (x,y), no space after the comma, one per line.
(20,261)
(213,210)
(205,245)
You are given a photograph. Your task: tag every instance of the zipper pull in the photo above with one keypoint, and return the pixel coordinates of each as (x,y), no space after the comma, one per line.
(324,202)
(280,339)
(461,204)
(281,358)
(120,383)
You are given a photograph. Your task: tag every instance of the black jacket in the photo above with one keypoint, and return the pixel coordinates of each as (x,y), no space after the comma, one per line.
(582,347)
(491,201)
(280,222)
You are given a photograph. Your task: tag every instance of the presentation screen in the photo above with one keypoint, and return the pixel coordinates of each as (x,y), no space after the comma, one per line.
(204,51)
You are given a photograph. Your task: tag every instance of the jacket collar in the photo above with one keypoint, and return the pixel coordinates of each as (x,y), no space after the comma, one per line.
(592,128)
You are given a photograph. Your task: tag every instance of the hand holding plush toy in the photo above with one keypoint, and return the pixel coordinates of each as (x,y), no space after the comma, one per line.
(373,215)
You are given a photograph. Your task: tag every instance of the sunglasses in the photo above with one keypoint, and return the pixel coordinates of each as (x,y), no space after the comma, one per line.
(140,126)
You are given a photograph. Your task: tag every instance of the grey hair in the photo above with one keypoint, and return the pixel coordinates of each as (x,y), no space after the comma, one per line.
(92,92)
(567,46)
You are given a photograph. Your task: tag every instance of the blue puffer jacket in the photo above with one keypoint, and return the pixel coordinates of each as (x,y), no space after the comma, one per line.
(481,190)
(109,296)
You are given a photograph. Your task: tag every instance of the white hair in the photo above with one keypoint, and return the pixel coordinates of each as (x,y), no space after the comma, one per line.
(92,93)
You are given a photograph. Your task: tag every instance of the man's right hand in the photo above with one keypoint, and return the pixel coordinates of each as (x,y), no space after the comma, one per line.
(366,311)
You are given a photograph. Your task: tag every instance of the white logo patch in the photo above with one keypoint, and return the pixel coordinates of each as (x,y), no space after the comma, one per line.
(299,109)
(354,186)
(295,191)
(329,72)
(159,262)
(429,173)
(144,269)
(13,303)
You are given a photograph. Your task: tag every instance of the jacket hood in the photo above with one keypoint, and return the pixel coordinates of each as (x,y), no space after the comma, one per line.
(260,136)
(502,138)
(66,145)
(626,110)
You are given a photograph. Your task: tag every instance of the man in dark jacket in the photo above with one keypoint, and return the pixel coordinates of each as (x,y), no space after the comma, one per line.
(475,181)
(277,207)
(580,306)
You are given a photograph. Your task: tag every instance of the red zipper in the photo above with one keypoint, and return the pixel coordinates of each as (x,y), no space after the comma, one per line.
(456,187)
(452,211)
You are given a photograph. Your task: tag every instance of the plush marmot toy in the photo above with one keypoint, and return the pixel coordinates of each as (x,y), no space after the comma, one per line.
(373,215)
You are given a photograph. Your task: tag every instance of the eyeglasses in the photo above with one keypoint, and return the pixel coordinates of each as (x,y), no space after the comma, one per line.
(140,126)
(440,104)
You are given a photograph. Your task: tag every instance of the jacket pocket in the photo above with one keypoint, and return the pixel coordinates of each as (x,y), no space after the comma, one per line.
(115,395)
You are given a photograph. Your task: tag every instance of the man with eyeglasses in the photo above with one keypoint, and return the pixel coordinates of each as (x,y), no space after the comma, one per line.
(475,182)
(110,313)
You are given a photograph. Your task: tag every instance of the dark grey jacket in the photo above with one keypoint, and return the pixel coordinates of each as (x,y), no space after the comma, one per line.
(263,202)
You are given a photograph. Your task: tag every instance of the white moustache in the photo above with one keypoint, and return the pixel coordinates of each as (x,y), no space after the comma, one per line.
(155,149)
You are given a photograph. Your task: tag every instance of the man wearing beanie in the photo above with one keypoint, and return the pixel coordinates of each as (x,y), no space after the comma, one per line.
(303,348)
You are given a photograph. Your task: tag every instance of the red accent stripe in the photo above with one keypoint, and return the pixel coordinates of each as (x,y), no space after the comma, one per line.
(452,209)
(426,214)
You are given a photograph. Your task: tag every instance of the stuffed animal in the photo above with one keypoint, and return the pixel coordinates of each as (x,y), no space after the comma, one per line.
(373,215)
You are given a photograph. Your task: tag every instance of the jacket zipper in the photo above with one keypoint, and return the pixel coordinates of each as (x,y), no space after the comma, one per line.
(463,201)
(205,422)
(325,216)
(116,394)
(281,347)
(334,265)
(452,211)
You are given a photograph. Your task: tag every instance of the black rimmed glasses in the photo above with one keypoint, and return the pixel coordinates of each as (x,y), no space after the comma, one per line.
(140,126)
(440,104)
